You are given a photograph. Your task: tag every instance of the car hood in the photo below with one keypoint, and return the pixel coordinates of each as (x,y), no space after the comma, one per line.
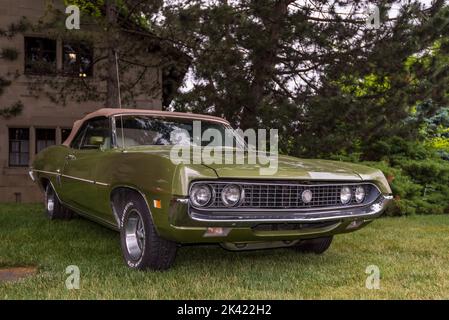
(289,168)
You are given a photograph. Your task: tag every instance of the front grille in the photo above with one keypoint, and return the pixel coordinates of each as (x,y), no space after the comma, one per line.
(288,195)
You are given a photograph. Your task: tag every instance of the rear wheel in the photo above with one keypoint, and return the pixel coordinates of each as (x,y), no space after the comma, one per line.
(142,247)
(317,245)
(53,207)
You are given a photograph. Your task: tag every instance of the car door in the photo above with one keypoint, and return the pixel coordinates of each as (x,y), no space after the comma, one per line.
(78,176)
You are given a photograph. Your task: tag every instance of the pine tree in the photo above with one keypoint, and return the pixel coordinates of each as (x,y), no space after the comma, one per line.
(313,69)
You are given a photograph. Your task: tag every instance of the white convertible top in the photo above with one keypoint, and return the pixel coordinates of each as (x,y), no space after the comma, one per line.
(109,112)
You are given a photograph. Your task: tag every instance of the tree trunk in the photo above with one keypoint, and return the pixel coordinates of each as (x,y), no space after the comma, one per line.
(112,90)
(264,65)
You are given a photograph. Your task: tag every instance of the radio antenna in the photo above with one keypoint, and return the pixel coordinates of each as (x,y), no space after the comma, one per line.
(119,98)
(118,81)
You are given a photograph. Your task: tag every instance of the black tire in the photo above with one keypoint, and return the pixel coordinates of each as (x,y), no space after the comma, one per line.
(142,247)
(317,245)
(53,207)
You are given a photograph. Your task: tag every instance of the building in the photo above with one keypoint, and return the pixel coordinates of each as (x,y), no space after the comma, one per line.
(42,122)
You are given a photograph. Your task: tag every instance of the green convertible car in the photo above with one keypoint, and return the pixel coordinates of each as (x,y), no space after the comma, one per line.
(117,169)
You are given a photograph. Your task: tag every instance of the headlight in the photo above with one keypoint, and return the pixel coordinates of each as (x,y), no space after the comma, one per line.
(200,195)
(231,195)
(359,194)
(345,195)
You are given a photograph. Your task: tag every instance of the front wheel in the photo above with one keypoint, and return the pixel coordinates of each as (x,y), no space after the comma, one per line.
(317,245)
(142,247)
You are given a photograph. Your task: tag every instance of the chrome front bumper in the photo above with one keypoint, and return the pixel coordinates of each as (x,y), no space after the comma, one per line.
(182,215)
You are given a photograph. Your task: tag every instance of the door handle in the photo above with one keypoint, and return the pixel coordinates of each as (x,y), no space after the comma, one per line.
(70,157)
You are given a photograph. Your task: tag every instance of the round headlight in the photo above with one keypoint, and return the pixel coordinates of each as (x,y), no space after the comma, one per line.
(359,194)
(200,195)
(231,195)
(345,195)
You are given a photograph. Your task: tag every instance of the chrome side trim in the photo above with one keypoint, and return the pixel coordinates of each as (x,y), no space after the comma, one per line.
(31,174)
(71,177)
(78,179)
(77,210)
(46,172)
(86,180)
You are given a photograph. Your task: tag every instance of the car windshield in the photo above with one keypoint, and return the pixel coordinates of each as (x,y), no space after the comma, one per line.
(141,130)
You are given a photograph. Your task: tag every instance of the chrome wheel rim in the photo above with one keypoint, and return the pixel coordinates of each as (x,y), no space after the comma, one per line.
(135,235)
(50,202)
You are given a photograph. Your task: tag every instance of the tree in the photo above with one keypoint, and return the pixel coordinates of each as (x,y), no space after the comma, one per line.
(10,54)
(322,77)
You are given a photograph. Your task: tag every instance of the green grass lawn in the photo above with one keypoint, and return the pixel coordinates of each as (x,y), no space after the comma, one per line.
(412,254)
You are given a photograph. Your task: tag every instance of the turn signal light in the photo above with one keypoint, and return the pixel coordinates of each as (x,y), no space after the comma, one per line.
(157,204)
(217,232)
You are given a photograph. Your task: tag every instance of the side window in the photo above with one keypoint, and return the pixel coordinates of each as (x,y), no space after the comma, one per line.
(97,134)
(79,137)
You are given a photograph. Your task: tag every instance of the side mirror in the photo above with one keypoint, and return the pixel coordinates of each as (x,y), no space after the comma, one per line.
(96,141)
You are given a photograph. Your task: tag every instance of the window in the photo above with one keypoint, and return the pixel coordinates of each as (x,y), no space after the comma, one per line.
(19,147)
(146,130)
(78,137)
(45,138)
(98,127)
(77,59)
(40,55)
(65,133)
